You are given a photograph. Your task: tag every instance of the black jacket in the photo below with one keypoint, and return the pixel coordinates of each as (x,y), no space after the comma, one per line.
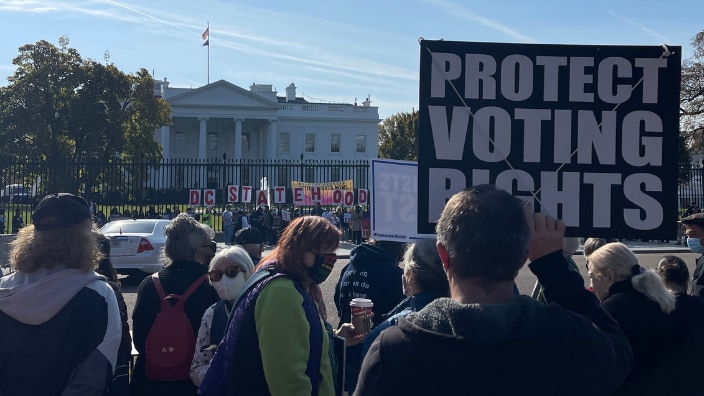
(656,339)
(176,279)
(60,333)
(519,348)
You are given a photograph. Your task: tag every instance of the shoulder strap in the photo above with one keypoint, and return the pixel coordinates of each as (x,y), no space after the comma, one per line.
(253,280)
(217,326)
(157,285)
(181,299)
(195,285)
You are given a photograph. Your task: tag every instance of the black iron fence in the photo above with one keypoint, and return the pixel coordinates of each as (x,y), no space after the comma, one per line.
(166,182)
(135,186)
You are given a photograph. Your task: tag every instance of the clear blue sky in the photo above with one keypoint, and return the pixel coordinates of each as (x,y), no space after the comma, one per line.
(332,50)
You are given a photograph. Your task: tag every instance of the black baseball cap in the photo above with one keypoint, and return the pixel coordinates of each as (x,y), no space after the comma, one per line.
(60,210)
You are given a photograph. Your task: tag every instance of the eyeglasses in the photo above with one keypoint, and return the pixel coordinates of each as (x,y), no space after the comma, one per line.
(212,245)
(231,272)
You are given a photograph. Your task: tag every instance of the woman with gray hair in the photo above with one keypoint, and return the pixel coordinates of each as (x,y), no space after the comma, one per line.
(187,253)
(229,271)
(423,281)
(639,301)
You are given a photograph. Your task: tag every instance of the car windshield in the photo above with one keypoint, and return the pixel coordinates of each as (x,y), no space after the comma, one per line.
(129,228)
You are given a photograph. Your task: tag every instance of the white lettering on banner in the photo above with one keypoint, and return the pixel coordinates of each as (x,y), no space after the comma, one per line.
(520,80)
(595,135)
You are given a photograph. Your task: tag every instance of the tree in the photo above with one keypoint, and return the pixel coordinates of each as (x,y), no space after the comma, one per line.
(62,108)
(692,97)
(398,137)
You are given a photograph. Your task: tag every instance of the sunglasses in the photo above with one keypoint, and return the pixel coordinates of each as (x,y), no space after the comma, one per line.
(212,245)
(231,272)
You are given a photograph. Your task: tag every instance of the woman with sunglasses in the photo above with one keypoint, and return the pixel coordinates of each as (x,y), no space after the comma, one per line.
(229,271)
(276,342)
(187,253)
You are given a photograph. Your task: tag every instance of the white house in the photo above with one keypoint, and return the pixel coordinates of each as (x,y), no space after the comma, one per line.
(222,118)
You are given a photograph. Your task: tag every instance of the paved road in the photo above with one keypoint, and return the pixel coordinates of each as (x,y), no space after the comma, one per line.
(648,255)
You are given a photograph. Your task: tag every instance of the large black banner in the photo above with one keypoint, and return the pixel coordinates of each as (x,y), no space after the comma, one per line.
(586,133)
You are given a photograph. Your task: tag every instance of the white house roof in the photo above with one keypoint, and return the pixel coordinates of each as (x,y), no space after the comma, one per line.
(221,94)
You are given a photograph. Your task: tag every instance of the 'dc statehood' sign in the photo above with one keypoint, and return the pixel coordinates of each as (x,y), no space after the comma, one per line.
(588,134)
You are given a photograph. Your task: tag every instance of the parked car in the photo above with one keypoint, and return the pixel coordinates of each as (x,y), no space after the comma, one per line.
(16,193)
(136,244)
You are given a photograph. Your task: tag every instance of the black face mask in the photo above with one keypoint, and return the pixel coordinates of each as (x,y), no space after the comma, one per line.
(322,266)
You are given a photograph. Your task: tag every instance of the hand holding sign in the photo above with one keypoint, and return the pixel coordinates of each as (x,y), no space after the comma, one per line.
(546,233)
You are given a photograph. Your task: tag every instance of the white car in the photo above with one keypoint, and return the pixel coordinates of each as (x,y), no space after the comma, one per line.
(136,244)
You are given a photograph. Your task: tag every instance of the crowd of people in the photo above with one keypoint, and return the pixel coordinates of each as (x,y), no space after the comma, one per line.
(446,316)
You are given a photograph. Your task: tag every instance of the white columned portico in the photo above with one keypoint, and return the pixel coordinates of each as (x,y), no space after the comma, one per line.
(202,138)
(271,140)
(238,139)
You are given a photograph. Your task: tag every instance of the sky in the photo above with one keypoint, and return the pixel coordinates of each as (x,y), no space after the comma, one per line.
(333,51)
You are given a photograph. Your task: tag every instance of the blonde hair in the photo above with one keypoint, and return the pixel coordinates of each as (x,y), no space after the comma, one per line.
(73,247)
(618,258)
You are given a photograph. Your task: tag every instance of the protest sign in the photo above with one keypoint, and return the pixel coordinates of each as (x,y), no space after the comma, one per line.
(588,134)
(394,197)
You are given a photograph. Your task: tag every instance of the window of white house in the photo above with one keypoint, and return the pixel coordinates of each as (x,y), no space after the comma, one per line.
(179,137)
(212,144)
(245,142)
(283,142)
(335,143)
(361,144)
(310,143)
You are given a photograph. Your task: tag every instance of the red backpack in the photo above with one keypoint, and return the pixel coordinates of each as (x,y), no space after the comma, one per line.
(171,343)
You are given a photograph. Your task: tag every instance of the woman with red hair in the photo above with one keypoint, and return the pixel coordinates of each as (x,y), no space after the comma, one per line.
(276,342)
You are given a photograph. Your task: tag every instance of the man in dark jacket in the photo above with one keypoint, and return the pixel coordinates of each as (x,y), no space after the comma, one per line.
(483,340)
(694,229)
(372,273)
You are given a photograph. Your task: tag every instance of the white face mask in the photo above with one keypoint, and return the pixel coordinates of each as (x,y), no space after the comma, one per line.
(229,288)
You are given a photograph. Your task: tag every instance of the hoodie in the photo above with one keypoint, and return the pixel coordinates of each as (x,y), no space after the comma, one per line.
(520,347)
(61,332)
(371,273)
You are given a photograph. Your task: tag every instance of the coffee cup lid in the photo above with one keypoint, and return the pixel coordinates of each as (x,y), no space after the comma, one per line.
(361,302)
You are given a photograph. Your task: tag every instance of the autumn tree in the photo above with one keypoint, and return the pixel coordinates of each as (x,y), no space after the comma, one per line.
(61,108)
(398,137)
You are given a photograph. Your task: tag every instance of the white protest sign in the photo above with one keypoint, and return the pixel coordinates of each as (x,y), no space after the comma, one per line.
(394,198)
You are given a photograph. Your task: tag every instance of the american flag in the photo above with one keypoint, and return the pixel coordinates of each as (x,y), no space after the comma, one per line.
(204,36)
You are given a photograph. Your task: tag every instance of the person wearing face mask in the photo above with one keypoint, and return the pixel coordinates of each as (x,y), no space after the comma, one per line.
(187,253)
(694,229)
(276,341)
(229,271)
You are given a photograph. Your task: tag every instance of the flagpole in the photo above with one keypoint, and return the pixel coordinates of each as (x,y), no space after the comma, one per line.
(208,53)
